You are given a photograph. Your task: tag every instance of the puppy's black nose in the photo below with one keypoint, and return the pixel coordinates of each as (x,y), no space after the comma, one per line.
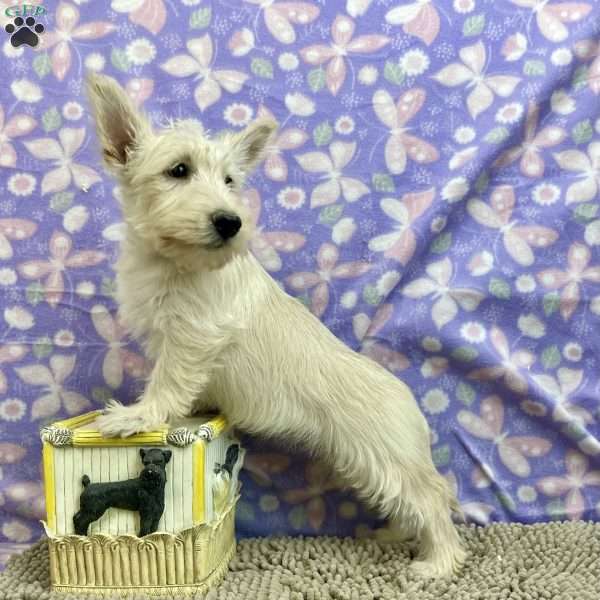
(226,224)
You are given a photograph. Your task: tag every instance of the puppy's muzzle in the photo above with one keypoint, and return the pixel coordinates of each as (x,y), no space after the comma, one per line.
(226,224)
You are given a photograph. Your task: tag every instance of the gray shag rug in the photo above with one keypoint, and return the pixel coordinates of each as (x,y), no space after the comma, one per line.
(553,561)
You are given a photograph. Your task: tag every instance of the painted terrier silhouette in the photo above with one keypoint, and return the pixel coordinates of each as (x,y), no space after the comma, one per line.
(146,494)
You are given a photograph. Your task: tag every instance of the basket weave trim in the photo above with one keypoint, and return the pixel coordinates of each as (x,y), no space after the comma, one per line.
(175,590)
(190,560)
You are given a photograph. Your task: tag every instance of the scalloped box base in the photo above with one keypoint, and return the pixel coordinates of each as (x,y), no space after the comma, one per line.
(159,564)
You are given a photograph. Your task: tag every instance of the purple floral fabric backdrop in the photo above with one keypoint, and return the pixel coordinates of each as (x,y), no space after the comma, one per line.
(432,196)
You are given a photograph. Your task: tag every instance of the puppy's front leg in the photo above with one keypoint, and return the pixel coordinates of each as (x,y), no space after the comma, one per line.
(181,373)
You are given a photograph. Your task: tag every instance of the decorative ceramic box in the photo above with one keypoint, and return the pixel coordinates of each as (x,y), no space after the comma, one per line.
(191,546)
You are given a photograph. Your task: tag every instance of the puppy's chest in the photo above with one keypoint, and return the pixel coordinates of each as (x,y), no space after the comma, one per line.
(148,306)
(139,300)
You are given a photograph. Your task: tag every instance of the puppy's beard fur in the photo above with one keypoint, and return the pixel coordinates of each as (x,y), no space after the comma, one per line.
(190,244)
(224,334)
(195,257)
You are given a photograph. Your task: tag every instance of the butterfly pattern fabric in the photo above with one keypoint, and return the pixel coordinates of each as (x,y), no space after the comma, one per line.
(513,451)
(529,151)
(517,239)
(420,19)
(432,195)
(401,145)
(553,18)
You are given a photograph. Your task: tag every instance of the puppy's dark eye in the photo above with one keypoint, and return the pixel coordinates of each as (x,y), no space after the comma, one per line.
(179,171)
(228,180)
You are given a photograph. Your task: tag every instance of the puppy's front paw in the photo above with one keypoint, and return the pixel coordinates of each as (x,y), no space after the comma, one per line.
(124,421)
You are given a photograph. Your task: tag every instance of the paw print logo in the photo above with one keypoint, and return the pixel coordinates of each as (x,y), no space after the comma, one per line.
(24,31)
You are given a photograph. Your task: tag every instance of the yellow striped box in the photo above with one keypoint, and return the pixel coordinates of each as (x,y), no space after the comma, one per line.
(195,539)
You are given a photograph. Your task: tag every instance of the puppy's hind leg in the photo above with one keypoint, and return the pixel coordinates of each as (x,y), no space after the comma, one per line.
(440,553)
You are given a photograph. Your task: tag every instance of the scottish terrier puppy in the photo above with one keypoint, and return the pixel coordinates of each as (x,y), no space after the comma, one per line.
(221,333)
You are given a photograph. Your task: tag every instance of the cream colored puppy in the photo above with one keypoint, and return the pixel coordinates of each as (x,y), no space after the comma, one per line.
(220,331)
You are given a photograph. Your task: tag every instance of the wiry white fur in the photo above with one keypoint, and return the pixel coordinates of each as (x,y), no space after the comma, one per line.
(222,334)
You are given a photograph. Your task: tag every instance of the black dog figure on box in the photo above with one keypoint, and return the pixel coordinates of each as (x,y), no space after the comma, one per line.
(146,494)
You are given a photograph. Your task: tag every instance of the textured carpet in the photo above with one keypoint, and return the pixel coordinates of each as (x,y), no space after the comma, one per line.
(554,561)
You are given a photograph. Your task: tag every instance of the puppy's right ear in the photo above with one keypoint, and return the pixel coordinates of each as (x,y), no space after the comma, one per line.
(142,453)
(119,125)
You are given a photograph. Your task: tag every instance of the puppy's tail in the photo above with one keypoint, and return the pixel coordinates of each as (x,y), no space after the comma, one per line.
(85,480)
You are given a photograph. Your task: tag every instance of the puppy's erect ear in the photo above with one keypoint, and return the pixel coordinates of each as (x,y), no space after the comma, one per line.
(142,453)
(167,454)
(118,123)
(250,145)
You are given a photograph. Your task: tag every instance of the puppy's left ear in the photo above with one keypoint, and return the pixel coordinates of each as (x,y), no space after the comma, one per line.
(250,145)
(167,454)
